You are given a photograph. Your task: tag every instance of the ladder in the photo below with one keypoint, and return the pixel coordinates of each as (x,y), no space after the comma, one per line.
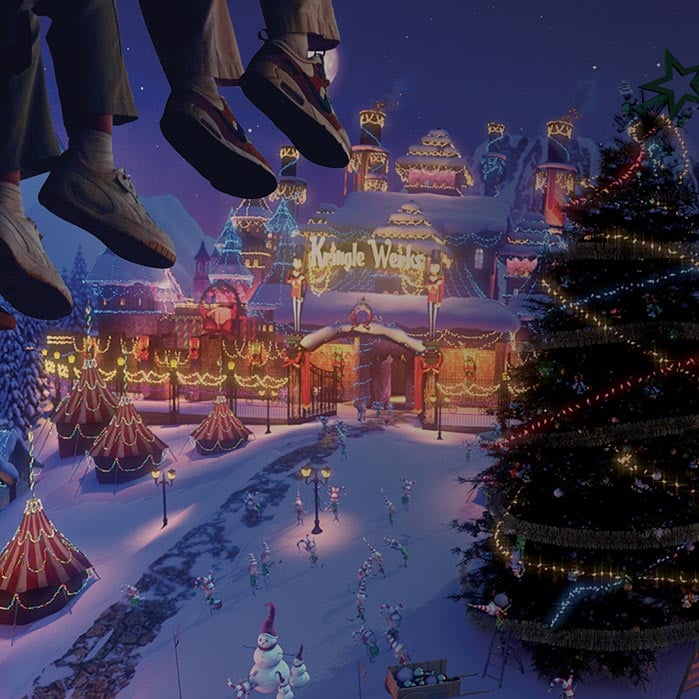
(691,675)
(502,652)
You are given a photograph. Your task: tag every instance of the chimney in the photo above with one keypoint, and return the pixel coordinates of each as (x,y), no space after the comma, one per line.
(371,123)
(290,158)
(495,130)
(559,133)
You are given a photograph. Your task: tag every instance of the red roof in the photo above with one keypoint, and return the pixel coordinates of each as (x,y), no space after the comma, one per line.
(221,425)
(89,401)
(126,435)
(38,555)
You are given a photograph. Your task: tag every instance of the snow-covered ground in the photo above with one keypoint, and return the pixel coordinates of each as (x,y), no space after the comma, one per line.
(121,534)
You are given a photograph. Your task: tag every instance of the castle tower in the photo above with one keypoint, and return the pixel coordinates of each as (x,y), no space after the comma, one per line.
(555,179)
(250,219)
(369,162)
(200,282)
(226,264)
(493,161)
(291,188)
(434,165)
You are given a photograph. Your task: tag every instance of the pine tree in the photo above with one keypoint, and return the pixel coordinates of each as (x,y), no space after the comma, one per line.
(23,383)
(594,488)
(80,291)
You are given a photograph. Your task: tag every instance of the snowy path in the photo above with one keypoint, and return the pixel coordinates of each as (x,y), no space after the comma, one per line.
(122,536)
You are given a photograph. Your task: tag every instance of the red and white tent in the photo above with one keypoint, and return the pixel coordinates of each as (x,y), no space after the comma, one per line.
(39,569)
(126,449)
(220,430)
(84,412)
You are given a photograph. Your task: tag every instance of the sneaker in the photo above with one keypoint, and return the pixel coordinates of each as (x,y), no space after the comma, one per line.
(105,204)
(214,144)
(7,321)
(292,92)
(29,281)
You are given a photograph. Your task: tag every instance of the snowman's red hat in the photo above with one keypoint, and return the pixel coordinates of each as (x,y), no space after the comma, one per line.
(268,624)
(299,655)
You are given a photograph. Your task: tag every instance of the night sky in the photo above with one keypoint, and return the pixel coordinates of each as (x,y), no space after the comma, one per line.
(459,63)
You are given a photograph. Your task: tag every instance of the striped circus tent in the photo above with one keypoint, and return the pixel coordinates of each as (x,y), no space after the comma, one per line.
(39,569)
(126,449)
(84,412)
(220,430)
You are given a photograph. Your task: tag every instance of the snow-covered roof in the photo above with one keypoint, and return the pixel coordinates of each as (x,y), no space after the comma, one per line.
(406,311)
(454,217)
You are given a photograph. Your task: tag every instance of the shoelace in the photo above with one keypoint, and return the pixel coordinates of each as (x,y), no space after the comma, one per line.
(124,179)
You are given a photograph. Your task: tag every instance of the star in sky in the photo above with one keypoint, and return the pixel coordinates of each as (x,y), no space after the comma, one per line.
(678,86)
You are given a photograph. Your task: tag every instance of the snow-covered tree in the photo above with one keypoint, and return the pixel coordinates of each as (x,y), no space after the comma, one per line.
(80,291)
(23,384)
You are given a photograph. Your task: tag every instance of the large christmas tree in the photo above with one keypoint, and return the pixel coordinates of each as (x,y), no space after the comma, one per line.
(592,513)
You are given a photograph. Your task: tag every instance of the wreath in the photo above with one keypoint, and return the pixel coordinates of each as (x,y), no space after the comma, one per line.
(361,314)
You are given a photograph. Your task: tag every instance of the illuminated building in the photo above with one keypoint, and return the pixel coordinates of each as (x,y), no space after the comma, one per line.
(291,188)
(250,219)
(368,165)
(434,165)
(555,179)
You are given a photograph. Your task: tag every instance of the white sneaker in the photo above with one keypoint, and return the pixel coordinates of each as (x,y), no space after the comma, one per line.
(28,279)
(106,204)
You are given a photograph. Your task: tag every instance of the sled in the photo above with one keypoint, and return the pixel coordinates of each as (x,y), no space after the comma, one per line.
(451,688)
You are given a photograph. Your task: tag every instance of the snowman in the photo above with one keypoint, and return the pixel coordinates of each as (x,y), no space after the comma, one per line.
(268,657)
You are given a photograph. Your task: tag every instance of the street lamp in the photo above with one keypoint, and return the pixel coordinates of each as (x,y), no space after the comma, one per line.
(306,472)
(438,399)
(71,368)
(174,388)
(267,393)
(232,387)
(56,357)
(167,479)
(121,375)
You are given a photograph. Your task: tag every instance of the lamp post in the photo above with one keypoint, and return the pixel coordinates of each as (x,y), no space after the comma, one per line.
(57,381)
(438,399)
(267,394)
(306,472)
(174,388)
(71,369)
(167,479)
(121,375)
(232,387)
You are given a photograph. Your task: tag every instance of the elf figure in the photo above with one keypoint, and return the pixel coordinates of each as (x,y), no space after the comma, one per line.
(565,686)
(364,570)
(335,492)
(399,650)
(360,599)
(497,607)
(368,638)
(266,561)
(406,493)
(389,506)
(324,425)
(360,406)
(392,615)
(254,573)
(298,508)
(397,546)
(376,557)
(434,284)
(252,506)
(206,584)
(299,284)
(377,407)
(388,417)
(132,594)
(310,547)
(242,689)
(469,369)
(516,564)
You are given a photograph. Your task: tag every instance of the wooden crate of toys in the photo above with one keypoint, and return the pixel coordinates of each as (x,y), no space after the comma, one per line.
(423,680)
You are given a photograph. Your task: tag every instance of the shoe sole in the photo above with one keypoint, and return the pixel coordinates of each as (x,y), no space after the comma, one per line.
(119,242)
(280,99)
(27,292)
(7,322)
(229,172)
